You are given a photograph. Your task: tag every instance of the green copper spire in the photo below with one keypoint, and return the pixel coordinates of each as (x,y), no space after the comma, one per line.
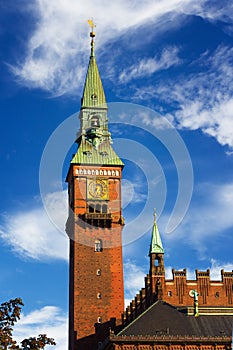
(93,93)
(156,245)
(94,139)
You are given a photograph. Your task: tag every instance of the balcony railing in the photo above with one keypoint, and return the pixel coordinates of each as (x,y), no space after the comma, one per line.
(98,216)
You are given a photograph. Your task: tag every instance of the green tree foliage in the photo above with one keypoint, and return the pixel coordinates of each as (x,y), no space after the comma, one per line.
(9,315)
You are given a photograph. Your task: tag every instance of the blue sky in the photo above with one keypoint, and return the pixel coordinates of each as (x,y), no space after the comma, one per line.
(172,59)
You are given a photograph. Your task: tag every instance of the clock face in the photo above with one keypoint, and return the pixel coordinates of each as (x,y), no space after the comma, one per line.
(97,189)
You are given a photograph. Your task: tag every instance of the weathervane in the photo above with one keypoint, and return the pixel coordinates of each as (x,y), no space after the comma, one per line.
(92,25)
(92,33)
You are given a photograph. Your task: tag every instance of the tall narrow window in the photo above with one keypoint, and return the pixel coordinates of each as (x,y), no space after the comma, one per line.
(98,208)
(91,208)
(104,208)
(98,245)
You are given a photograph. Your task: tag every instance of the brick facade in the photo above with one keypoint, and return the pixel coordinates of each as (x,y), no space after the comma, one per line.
(96,271)
(169,343)
(214,296)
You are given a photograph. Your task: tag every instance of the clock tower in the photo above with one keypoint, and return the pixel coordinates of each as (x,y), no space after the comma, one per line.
(94,226)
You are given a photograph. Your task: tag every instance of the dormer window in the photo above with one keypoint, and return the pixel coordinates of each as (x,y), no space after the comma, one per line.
(87,153)
(104,154)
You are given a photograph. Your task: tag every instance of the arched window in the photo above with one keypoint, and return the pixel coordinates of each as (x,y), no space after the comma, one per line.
(91,208)
(95,123)
(98,245)
(104,208)
(98,208)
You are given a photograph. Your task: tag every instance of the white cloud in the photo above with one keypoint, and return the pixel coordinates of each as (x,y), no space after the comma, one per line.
(214,121)
(214,12)
(55,51)
(203,100)
(133,280)
(229,153)
(216,267)
(145,67)
(31,234)
(127,192)
(209,216)
(133,191)
(206,99)
(48,320)
(159,122)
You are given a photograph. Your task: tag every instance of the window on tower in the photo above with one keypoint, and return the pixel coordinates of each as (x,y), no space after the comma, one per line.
(104,208)
(98,208)
(98,245)
(91,208)
(95,121)
(99,319)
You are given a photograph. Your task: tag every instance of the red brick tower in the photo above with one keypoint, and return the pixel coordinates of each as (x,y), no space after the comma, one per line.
(94,226)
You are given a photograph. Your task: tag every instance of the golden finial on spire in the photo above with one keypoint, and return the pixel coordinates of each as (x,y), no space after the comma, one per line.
(92,35)
(155,215)
(92,25)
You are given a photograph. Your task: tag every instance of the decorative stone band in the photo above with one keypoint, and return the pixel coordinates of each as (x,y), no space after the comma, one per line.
(96,172)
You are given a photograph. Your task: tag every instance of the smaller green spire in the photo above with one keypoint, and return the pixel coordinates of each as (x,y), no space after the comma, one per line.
(156,245)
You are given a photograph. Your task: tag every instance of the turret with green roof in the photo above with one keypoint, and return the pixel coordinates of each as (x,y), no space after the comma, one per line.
(156,245)
(156,252)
